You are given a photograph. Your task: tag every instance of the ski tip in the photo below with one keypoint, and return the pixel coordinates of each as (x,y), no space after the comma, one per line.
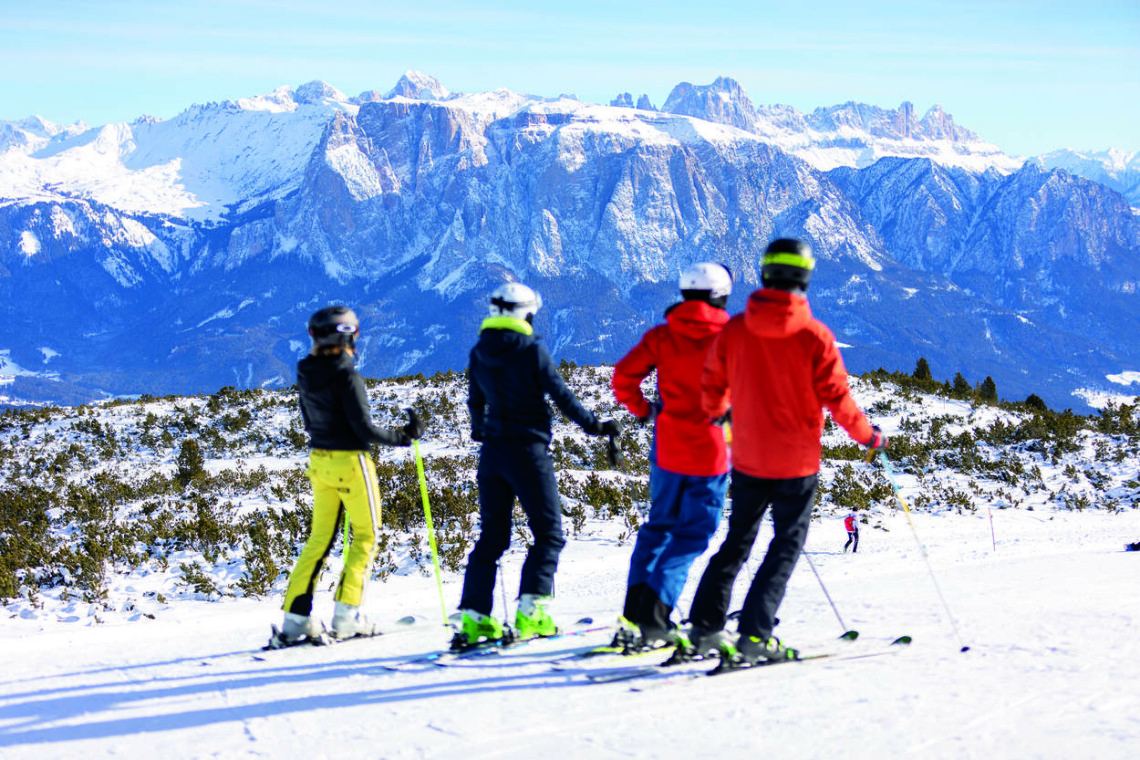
(406,620)
(849,636)
(902,640)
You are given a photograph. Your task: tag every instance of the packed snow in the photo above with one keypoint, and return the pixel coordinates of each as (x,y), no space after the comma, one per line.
(1042,594)
(1050,616)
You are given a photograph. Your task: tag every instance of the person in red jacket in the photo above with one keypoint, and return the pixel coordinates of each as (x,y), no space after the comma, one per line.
(689,463)
(782,368)
(852,525)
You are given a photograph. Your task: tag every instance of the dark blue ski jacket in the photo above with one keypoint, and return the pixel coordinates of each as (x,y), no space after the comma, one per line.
(508,379)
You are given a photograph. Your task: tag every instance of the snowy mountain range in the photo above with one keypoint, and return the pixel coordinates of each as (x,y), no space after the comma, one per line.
(183,255)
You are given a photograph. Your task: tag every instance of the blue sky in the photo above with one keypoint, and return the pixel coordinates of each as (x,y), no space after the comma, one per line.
(1028,76)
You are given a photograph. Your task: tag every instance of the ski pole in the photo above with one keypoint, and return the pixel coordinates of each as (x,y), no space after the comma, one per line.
(503,593)
(921,548)
(848,634)
(430,527)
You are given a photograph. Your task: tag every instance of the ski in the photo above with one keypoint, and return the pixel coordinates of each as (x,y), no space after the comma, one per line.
(673,671)
(724,668)
(444,657)
(326,638)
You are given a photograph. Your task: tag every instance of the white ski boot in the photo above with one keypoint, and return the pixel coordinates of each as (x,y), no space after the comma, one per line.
(348,621)
(297,629)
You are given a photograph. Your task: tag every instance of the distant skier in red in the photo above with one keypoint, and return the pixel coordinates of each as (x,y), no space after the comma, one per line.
(852,524)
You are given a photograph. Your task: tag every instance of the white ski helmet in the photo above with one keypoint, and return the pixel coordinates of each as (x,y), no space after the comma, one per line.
(513,299)
(715,279)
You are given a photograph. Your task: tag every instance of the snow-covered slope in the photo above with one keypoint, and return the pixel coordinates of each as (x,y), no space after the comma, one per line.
(205,162)
(1023,539)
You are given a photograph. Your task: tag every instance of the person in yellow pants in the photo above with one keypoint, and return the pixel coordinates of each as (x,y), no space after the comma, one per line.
(334,407)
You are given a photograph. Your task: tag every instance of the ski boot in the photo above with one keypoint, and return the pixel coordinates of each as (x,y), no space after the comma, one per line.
(348,621)
(626,637)
(752,650)
(476,628)
(653,638)
(532,620)
(297,629)
(696,645)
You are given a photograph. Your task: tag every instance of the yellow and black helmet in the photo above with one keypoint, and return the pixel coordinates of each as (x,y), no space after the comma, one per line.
(787,265)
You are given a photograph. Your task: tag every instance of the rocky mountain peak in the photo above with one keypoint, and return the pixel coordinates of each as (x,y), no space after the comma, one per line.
(724,101)
(318,92)
(416,85)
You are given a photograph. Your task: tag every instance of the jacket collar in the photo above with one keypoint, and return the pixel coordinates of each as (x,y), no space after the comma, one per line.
(507,323)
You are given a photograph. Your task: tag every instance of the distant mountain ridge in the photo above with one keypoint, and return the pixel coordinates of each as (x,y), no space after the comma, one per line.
(189,252)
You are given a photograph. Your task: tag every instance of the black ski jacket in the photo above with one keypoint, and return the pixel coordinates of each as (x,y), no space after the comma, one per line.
(335,406)
(507,381)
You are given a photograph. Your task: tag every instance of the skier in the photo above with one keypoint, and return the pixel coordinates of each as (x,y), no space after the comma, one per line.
(852,524)
(509,375)
(781,367)
(334,408)
(688,464)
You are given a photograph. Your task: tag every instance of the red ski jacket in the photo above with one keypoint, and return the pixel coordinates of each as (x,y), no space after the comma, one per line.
(686,442)
(781,367)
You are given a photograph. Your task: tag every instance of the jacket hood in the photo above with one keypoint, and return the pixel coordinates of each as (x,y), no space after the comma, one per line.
(319,371)
(498,347)
(695,319)
(772,313)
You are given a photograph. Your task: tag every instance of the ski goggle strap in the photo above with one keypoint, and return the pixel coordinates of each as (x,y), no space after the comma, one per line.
(790,259)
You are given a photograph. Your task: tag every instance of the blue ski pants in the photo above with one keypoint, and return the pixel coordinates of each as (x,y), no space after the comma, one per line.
(508,469)
(684,514)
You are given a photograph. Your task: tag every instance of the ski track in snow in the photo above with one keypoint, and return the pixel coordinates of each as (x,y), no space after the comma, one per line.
(1050,618)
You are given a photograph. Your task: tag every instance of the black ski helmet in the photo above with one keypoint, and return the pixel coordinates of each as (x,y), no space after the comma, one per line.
(787,265)
(334,326)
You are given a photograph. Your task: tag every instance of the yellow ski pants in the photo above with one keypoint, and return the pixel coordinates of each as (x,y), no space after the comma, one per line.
(343,482)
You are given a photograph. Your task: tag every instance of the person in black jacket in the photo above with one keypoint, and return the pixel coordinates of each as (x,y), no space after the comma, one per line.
(334,407)
(509,376)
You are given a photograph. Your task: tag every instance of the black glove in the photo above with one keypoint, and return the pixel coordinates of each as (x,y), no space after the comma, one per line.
(415,427)
(609,427)
(654,410)
(477,435)
(878,441)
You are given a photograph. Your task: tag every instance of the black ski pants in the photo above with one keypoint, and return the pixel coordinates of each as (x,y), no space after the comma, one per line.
(791,501)
(508,469)
(852,538)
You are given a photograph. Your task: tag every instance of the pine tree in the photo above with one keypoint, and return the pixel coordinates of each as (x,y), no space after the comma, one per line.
(922,370)
(988,391)
(960,388)
(190,461)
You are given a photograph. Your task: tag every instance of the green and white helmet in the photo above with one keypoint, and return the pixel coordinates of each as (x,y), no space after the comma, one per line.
(513,299)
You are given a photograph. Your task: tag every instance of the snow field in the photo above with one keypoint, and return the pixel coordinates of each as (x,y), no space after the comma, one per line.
(1050,618)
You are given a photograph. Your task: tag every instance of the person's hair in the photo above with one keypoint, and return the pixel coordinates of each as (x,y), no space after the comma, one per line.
(330,350)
